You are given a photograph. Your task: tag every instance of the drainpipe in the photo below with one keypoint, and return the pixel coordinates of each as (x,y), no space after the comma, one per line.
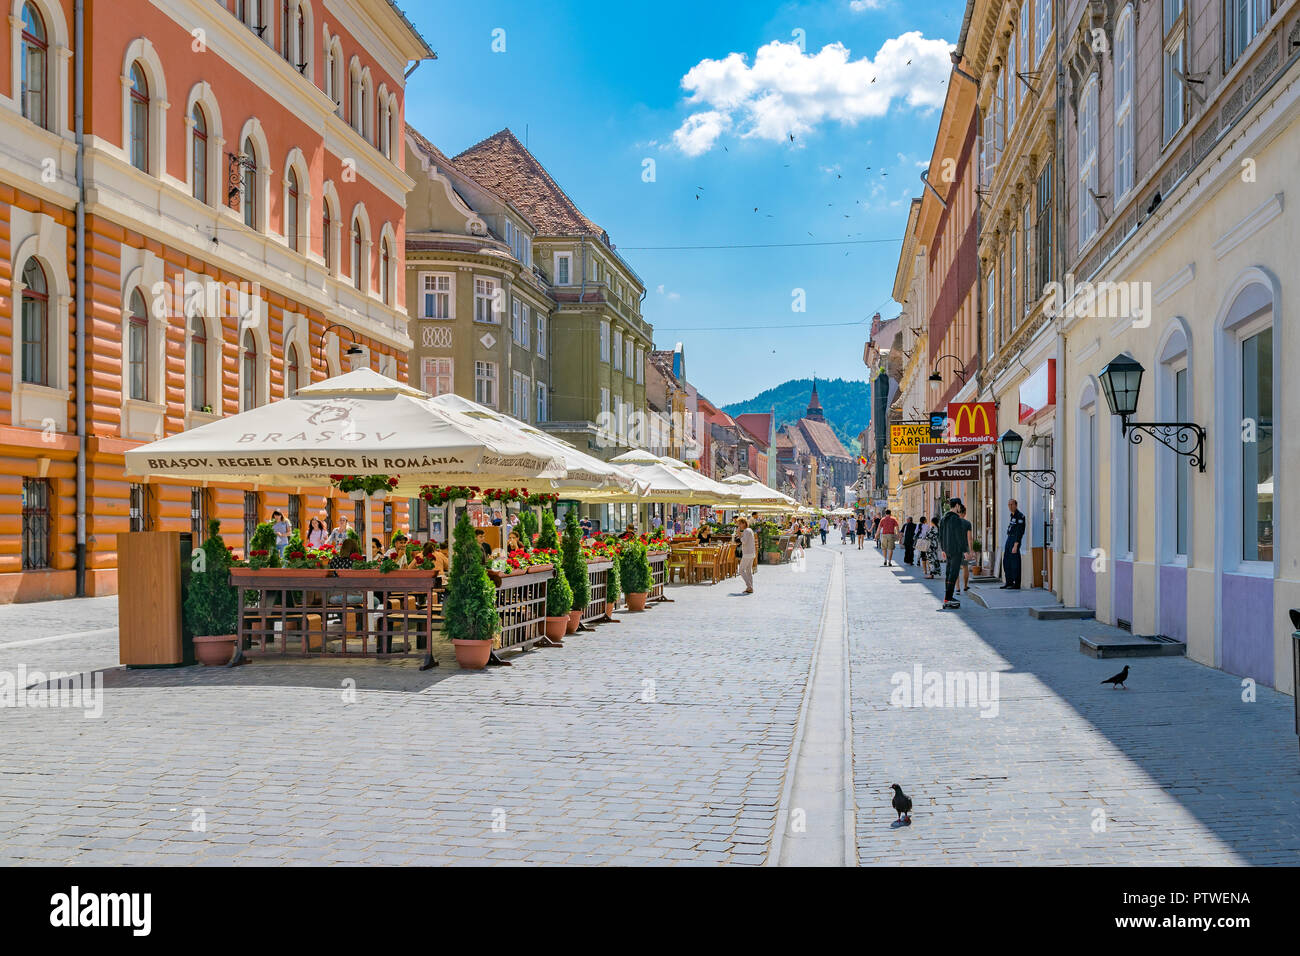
(79,305)
(1058,198)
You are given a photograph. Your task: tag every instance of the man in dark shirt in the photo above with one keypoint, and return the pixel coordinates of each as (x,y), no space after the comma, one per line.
(954,536)
(909,541)
(1015,536)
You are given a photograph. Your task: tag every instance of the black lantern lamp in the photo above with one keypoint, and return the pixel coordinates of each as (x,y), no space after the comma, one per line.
(1121,381)
(353,349)
(1011,443)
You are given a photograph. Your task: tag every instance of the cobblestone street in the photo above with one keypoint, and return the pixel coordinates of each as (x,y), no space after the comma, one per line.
(667,738)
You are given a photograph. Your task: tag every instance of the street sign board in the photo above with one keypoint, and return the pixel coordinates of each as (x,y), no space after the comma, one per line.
(906,437)
(938,422)
(931,453)
(961,471)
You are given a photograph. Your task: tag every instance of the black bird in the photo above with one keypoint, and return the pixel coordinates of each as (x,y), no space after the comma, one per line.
(792,137)
(903,804)
(1118,680)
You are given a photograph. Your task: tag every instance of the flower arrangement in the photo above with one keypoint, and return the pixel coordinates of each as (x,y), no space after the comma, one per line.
(540,499)
(367,483)
(503,495)
(440,495)
(539,556)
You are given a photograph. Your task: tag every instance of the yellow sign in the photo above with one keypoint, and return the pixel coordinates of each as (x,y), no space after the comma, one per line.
(906,438)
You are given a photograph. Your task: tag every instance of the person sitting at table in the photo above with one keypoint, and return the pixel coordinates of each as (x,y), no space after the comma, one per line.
(343,559)
(399,545)
(482,543)
(704,536)
(514,542)
(438,555)
(378,545)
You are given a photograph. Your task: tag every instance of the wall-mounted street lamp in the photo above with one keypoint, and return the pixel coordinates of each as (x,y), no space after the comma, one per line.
(937,379)
(1121,382)
(1010,443)
(353,349)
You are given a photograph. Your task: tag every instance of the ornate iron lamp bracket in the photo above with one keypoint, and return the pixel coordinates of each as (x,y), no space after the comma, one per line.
(1182,438)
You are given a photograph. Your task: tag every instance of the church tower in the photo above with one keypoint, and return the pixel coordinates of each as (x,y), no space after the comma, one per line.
(815,406)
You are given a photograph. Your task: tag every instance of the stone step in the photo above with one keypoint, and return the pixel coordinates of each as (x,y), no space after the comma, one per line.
(1062,613)
(984,579)
(1131,645)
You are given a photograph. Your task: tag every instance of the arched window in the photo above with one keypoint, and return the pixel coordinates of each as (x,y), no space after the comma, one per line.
(1088,165)
(355,99)
(139,118)
(291,372)
(291,212)
(385,272)
(249,383)
(137,348)
(250,184)
(382,129)
(363,120)
(198,364)
(35,57)
(36,325)
(326,235)
(199,163)
(357,247)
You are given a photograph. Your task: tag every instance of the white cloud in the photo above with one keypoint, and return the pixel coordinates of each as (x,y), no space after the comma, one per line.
(788,91)
(857,6)
(670,296)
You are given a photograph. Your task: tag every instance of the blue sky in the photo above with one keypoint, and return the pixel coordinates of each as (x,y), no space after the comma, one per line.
(711,92)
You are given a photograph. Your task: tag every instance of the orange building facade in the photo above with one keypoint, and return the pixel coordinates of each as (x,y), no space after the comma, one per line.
(237,230)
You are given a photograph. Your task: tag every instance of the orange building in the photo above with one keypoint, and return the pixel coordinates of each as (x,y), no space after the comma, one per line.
(229,225)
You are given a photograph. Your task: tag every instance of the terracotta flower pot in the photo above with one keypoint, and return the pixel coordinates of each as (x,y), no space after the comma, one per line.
(575,618)
(636,600)
(557,627)
(610,608)
(213,650)
(472,655)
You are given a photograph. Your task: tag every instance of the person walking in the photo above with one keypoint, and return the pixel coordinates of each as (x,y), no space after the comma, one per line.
(970,554)
(888,537)
(747,552)
(823,526)
(952,542)
(1011,553)
(281,529)
(861,529)
(909,540)
(922,532)
(340,532)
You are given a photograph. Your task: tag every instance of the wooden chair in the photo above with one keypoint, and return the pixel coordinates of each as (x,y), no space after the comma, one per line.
(678,564)
(704,563)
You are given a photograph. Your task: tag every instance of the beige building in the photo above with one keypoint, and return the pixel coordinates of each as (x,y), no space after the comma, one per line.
(1181,137)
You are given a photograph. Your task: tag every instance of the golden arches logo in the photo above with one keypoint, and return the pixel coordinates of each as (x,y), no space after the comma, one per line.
(971,412)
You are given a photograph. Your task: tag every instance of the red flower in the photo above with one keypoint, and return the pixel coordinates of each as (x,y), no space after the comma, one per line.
(357,557)
(258,554)
(296,555)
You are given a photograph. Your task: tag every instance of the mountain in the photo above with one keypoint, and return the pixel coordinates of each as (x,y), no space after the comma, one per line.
(847,405)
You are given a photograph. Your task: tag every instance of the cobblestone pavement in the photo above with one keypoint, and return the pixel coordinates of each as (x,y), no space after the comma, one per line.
(662,739)
(1179,768)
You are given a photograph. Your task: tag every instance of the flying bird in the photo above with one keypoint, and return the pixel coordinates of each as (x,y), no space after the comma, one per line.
(1118,680)
(792,137)
(903,804)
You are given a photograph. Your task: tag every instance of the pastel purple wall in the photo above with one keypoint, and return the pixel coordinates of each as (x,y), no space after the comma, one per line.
(1087,583)
(1247,618)
(1173,602)
(1123,608)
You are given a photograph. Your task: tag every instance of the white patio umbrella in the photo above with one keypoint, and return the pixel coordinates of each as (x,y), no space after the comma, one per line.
(664,482)
(758,496)
(586,477)
(722,494)
(360,423)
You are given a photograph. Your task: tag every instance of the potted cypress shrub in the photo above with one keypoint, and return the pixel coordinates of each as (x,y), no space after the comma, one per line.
(613,587)
(212,602)
(575,569)
(634,575)
(548,539)
(469,609)
(559,601)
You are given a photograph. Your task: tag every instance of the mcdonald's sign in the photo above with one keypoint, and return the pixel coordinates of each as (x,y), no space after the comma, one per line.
(973,423)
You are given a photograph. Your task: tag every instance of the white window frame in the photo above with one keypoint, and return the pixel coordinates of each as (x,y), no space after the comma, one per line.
(567,277)
(1173,97)
(1125,116)
(435,371)
(604,341)
(991,309)
(617,352)
(486,382)
(1089,115)
(487,290)
(516,312)
(541,334)
(449,292)
(1256,14)
(541,402)
(1042,28)
(1239,336)
(525,328)
(627,357)
(640,366)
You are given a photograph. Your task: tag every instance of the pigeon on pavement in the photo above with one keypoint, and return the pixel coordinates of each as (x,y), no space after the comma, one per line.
(903,804)
(1118,680)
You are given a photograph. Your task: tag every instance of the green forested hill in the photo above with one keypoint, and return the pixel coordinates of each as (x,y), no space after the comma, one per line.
(847,405)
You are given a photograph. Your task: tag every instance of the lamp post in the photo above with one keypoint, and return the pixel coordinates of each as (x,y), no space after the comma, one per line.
(353,349)
(1010,444)
(1121,383)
